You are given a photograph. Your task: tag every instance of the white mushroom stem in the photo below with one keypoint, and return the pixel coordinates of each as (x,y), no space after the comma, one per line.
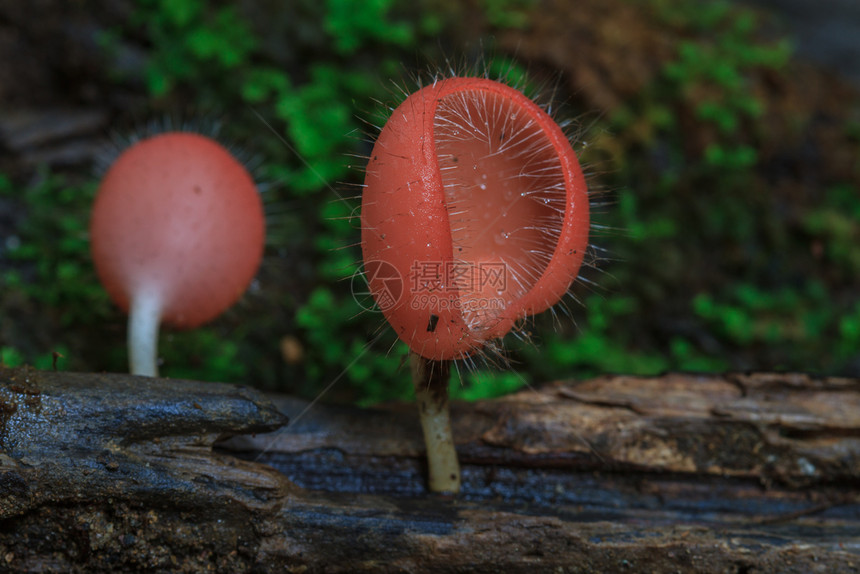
(431,391)
(144,317)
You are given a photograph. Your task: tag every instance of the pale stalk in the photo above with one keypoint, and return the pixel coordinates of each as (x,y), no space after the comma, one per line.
(431,390)
(144,317)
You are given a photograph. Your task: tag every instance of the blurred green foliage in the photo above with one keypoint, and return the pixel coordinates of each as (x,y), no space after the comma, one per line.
(49,256)
(193,41)
(508,13)
(727,269)
(833,224)
(706,278)
(11,357)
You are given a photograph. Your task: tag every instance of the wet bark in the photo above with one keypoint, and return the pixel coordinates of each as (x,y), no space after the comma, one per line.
(680,473)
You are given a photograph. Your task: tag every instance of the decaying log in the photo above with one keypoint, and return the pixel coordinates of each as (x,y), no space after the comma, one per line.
(679,473)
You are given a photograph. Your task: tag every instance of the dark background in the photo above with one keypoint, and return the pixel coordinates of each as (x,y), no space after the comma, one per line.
(721,143)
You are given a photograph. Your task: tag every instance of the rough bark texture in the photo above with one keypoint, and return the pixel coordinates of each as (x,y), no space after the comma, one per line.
(680,473)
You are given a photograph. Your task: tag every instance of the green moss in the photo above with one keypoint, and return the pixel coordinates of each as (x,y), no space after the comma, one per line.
(49,257)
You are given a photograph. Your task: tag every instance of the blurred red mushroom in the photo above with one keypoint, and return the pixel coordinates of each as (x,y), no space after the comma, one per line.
(177,234)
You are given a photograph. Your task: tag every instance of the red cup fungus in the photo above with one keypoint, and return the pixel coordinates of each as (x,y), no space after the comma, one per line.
(475,201)
(177,233)
(475,196)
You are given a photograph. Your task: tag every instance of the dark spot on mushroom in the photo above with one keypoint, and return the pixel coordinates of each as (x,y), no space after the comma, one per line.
(431,325)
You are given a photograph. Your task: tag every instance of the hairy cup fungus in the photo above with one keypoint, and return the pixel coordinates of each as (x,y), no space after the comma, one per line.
(474,216)
(177,234)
